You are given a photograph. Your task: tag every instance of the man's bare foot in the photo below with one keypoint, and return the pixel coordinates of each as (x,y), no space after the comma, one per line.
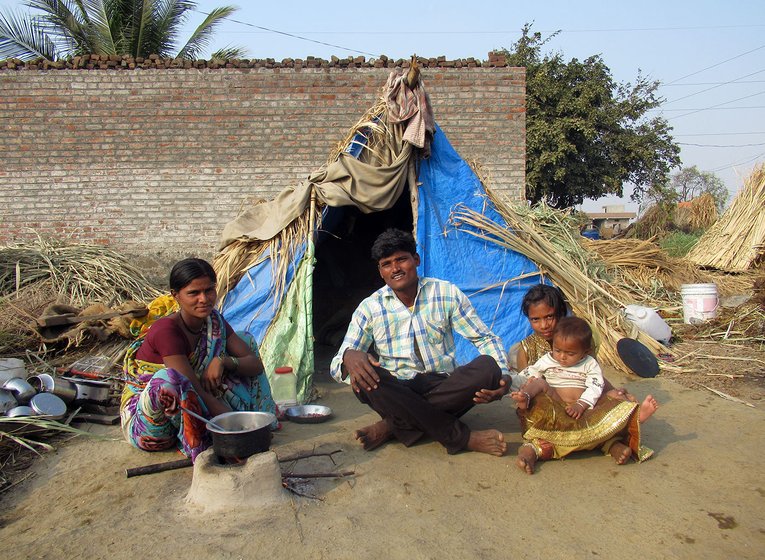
(527,458)
(647,408)
(620,452)
(488,441)
(373,436)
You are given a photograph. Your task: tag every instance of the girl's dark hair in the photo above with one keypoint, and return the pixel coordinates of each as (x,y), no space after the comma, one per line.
(542,293)
(187,270)
(575,328)
(391,241)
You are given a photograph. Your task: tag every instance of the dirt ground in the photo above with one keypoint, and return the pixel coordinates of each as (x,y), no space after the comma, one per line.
(701,496)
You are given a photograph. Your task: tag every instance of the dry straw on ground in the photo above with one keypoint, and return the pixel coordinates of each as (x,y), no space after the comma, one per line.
(737,241)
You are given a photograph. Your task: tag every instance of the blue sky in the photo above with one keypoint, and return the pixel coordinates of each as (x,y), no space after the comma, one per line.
(710,55)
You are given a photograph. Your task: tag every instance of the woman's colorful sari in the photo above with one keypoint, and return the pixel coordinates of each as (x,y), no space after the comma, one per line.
(145,423)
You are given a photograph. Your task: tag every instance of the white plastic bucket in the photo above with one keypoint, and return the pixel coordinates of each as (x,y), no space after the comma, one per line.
(699,302)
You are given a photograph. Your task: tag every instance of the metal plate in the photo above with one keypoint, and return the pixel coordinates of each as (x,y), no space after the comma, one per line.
(637,357)
(308,413)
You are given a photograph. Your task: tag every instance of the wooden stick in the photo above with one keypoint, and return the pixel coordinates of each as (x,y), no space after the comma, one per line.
(158,467)
(307,454)
(319,475)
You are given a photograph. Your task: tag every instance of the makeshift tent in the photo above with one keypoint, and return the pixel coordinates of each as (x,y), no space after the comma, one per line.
(296,267)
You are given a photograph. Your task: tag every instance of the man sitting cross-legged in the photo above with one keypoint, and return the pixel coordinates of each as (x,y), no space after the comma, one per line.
(415,384)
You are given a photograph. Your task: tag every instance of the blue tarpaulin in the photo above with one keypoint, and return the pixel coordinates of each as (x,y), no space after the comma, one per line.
(479,268)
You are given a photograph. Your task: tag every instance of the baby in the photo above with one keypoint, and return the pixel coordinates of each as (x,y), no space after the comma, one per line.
(567,374)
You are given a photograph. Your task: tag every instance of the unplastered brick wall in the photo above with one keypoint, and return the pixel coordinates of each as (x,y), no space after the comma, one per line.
(153,158)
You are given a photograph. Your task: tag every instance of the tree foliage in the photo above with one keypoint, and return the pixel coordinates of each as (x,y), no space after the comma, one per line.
(586,136)
(687,184)
(63,28)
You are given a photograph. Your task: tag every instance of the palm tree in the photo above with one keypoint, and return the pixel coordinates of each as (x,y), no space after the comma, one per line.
(66,28)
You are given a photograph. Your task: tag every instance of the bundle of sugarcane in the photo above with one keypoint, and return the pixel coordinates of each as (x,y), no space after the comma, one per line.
(645,265)
(79,273)
(736,242)
(698,213)
(590,299)
(655,221)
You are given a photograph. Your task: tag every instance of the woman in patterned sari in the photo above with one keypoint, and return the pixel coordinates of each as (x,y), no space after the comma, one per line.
(190,358)
(613,425)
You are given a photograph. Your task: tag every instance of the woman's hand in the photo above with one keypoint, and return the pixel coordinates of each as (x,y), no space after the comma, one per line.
(212,378)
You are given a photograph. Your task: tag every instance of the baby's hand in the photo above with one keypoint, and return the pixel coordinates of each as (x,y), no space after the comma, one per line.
(575,410)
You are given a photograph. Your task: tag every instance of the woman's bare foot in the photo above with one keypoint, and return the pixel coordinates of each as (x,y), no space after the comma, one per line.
(527,458)
(488,441)
(647,408)
(620,452)
(373,436)
(621,394)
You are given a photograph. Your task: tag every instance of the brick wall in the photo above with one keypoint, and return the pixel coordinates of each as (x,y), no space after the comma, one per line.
(156,161)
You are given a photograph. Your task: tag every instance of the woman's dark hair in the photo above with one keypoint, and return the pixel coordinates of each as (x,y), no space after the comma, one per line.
(391,241)
(542,293)
(575,328)
(188,270)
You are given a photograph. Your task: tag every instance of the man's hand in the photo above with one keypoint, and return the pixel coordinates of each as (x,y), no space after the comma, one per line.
(361,367)
(488,395)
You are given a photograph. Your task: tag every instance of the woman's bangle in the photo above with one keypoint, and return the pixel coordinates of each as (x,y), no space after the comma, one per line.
(235,361)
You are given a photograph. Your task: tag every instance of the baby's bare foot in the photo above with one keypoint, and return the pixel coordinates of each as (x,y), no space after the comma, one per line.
(647,408)
(527,458)
(521,398)
(373,436)
(620,452)
(488,441)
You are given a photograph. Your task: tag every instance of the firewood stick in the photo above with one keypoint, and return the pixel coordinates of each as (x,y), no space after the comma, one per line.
(158,467)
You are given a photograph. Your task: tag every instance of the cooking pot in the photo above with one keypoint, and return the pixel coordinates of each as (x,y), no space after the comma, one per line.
(243,433)
(49,405)
(7,401)
(17,411)
(46,383)
(20,388)
(90,390)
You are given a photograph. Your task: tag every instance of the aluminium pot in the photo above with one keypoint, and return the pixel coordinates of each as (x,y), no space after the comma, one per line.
(48,405)
(46,383)
(20,388)
(243,434)
(7,401)
(90,390)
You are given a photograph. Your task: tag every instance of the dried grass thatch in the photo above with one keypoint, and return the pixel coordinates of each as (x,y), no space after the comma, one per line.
(654,222)
(595,300)
(80,274)
(696,214)
(736,242)
(645,269)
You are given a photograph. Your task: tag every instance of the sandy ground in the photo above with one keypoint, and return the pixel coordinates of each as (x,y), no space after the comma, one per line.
(701,496)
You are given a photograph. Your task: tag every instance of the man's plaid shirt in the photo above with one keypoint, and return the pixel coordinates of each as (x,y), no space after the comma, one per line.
(440,309)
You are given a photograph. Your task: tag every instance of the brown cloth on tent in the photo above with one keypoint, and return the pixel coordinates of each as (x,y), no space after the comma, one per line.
(411,105)
(371,187)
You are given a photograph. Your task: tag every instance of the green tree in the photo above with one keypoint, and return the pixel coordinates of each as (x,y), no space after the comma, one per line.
(689,183)
(65,28)
(587,136)
(686,184)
